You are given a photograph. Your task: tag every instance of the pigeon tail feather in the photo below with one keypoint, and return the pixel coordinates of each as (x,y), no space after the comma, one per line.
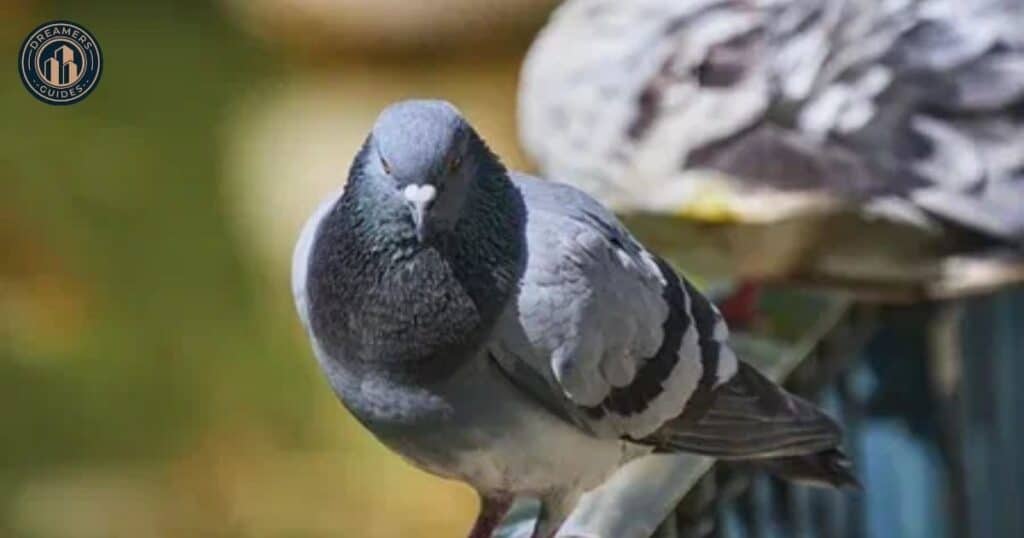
(749,417)
(828,468)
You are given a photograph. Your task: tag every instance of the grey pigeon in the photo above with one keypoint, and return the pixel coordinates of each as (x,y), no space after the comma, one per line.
(510,333)
(859,140)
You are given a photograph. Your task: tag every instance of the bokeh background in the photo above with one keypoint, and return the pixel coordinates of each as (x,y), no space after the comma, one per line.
(154,380)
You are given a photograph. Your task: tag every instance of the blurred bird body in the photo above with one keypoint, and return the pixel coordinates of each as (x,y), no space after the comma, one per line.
(510,333)
(861,140)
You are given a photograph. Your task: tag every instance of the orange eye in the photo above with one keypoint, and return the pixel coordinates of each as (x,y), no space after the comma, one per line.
(454,163)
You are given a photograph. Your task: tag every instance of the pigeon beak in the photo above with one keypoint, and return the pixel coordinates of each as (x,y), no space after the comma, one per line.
(420,198)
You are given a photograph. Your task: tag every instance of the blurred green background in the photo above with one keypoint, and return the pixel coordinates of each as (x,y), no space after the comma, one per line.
(154,380)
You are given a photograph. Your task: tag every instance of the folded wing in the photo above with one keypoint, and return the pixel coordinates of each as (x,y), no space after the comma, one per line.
(612,338)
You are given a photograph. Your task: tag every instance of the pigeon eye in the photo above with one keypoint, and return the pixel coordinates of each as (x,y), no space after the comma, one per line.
(384,164)
(454,163)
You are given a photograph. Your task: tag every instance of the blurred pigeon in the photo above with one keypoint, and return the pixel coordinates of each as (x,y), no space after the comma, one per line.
(510,333)
(851,140)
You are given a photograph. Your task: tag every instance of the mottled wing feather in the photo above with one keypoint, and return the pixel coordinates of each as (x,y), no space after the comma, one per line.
(913,110)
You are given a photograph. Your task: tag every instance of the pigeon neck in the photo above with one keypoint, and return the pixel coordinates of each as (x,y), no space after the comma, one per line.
(381,302)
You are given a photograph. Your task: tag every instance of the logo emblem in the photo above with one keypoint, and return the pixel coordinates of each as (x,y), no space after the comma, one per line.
(60,63)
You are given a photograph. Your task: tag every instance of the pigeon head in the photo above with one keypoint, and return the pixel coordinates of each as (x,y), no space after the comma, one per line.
(431,157)
(415,262)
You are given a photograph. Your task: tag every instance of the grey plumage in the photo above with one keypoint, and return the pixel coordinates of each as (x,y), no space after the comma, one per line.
(511,333)
(907,114)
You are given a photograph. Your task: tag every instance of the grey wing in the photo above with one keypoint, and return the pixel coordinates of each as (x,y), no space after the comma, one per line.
(749,416)
(300,257)
(610,334)
(913,110)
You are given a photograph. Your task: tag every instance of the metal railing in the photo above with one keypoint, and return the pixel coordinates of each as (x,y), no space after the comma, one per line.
(932,400)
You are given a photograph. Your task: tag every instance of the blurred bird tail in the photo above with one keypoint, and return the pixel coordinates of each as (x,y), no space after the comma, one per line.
(828,468)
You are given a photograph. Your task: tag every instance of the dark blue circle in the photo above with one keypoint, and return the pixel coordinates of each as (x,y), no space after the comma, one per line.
(51,62)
